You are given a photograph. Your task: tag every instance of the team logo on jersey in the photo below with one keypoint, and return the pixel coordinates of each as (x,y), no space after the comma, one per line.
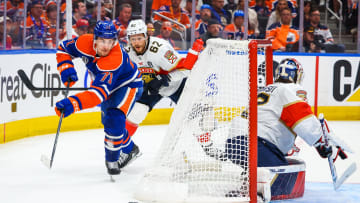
(170,56)
(302,94)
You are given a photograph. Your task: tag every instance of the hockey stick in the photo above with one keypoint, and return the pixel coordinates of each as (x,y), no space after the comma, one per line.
(29,84)
(44,159)
(350,170)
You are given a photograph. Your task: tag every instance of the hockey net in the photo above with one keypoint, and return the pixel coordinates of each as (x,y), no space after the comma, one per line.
(195,161)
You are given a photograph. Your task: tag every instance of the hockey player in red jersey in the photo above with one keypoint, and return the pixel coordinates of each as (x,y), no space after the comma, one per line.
(116,85)
(163,70)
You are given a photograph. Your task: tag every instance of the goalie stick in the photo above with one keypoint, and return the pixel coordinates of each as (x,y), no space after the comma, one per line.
(337,182)
(29,84)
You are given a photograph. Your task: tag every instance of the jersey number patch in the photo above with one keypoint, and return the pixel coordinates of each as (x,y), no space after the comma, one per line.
(155,46)
(107,76)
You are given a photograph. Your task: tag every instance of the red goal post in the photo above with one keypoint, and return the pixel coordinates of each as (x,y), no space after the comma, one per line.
(209,153)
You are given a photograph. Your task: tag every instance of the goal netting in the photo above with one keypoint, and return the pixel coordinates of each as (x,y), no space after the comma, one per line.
(206,156)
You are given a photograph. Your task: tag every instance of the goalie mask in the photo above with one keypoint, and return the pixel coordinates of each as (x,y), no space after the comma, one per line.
(290,70)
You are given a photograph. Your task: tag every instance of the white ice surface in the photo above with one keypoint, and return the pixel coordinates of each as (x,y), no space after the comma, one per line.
(79,173)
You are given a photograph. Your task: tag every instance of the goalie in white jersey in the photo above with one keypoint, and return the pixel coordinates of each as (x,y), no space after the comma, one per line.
(283,114)
(164,71)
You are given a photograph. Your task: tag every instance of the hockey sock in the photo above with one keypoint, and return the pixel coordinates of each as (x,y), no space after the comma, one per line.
(131,127)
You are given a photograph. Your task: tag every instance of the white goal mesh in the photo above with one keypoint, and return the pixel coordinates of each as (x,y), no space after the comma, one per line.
(204,155)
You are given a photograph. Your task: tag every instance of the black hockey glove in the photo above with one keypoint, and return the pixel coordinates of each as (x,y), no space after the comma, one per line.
(329,150)
(323,149)
(155,84)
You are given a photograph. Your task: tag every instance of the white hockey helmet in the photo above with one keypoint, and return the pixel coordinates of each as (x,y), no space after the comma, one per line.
(136,27)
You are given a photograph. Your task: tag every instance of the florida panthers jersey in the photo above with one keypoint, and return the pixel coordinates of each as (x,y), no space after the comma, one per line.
(159,58)
(283,114)
(109,73)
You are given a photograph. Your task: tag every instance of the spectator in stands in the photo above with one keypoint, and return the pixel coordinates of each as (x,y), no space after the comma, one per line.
(292,4)
(81,28)
(275,15)
(8,37)
(165,33)
(235,30)
(261,8)
(320,29)
(51,15)
(307,8)
(14,9)
(221,15)
(188,9)
(37,30)
(252,16)
(94,12)
(157,4)
(322,35)
(108,8)
(263,14)
(150,29)
(230,6)
(213,30)
(205,16)
(79,11)
(284,36)
(176,13)
(122,21)
(309,42)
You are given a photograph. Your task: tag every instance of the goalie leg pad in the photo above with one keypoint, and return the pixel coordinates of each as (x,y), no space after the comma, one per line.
(289,181)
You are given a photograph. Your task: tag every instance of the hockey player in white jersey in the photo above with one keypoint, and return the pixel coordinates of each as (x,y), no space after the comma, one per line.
(163,70)
(283,114)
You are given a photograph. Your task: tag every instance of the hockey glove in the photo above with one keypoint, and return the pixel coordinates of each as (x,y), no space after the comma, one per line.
(323,149)
(68,74)
(68,106)
(329,150)
(155,84)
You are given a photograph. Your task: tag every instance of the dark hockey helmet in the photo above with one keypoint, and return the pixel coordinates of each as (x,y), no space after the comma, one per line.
(105,29)
(289,70)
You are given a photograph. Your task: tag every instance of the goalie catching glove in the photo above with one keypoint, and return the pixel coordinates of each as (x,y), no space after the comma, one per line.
(326,150)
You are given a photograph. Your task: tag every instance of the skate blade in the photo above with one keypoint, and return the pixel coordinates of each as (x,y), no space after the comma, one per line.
(45,160)
(112,179)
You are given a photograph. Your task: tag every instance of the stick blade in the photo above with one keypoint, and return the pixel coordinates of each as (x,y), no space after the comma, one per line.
(46,161)
(25,79)
(348,172)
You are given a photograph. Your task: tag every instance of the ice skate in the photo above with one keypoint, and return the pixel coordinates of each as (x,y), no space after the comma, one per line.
(125,159)
(113,168)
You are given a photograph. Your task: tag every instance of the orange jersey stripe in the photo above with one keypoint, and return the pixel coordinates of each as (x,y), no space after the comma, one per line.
(60,57)
(118,142)
(130,98)
(101,90)
(88,99)
(295,112)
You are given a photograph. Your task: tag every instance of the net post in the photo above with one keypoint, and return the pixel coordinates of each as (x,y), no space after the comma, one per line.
(253,120)
(269,65)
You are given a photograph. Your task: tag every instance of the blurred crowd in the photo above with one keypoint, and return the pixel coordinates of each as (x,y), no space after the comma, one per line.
(42,24)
